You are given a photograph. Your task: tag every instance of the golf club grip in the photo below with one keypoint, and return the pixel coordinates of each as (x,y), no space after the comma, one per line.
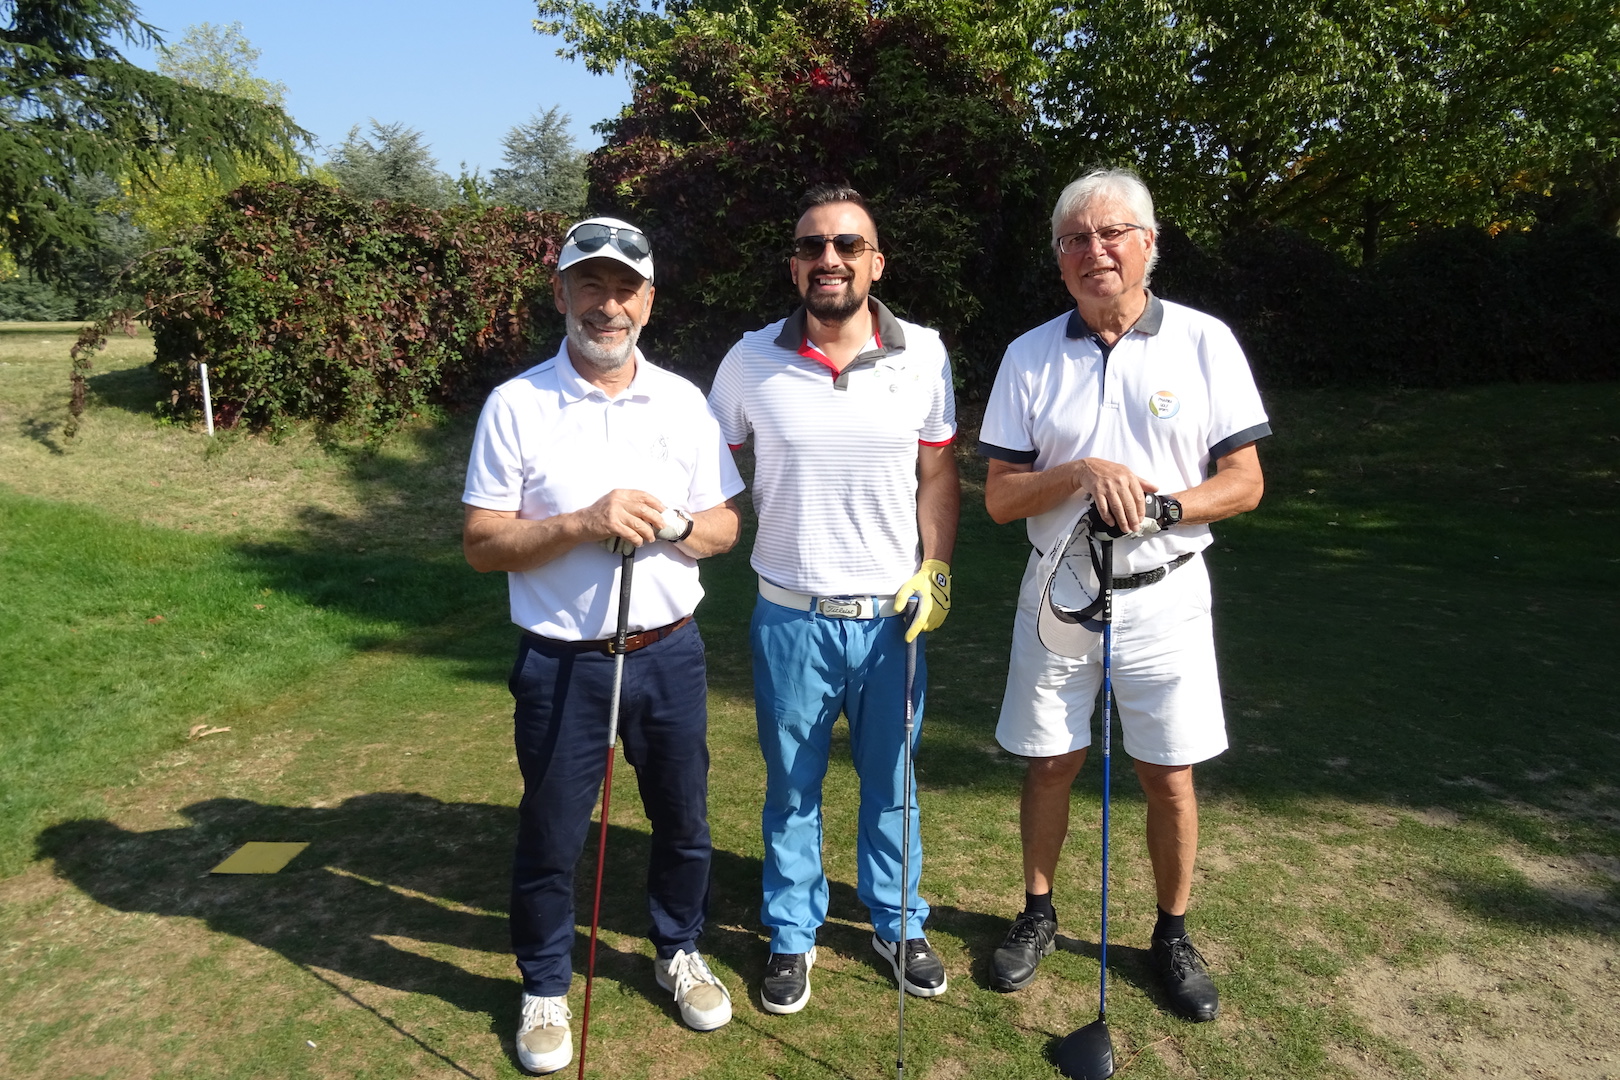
(624,602)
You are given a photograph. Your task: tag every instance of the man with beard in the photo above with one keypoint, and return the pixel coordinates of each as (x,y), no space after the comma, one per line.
(598,449)
(852,415)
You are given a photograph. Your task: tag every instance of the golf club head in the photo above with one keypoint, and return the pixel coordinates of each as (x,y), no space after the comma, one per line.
(1088,1053)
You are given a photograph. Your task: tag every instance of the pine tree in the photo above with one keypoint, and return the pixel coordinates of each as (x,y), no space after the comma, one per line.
(74,111)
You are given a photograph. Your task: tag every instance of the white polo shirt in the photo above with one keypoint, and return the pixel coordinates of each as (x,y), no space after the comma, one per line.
(549,443)
(835,475)
(1173,395)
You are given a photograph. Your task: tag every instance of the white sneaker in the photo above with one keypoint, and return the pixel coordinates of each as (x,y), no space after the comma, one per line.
(544,1042)
(704,1000)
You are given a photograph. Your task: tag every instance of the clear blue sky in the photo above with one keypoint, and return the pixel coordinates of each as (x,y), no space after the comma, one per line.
(462,73)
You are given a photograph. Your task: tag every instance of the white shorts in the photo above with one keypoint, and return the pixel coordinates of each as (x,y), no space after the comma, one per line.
(1166,691)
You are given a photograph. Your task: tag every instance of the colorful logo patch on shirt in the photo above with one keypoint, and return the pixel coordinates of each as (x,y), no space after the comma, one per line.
(1164,404)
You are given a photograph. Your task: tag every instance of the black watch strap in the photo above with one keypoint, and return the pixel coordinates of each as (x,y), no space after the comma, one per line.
(1169,511)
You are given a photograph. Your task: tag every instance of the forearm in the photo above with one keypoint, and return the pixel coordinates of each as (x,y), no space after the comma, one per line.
(714,531)
(493,540)
(939,502)
(1012,491)
(1235,489)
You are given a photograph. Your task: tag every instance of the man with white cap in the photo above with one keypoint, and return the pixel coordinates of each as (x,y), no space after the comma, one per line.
(1146,411)
(593,454)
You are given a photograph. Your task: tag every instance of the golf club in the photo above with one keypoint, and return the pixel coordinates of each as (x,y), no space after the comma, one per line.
(1088,1053)
(905,841)
(617,648)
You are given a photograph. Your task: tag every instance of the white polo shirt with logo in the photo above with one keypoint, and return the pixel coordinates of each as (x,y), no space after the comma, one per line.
(549,443)
(835,476)
(1174,395)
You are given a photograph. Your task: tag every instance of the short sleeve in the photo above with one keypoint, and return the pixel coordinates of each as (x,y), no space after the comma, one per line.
(1237,416)
(726,400)
(714,477)
(495,466)
(939,427)
(1006,433)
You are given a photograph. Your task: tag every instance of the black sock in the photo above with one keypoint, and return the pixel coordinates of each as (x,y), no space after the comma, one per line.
(1040,904)
(1170,927)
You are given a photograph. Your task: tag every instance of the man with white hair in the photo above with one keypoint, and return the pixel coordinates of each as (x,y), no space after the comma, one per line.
(591,455)
(1126,402)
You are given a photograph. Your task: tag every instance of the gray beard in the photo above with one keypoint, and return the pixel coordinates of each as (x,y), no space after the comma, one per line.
(831,309)
(604,358)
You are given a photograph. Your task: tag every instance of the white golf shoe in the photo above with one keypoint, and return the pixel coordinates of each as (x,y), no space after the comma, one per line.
(544,1041)
(704,1000)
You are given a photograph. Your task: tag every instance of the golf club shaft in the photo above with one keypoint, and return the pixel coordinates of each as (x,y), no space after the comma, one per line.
(1107,739)
(622,632)
(905,839)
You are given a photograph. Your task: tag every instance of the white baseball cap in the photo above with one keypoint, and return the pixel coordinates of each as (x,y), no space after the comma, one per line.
(607,238)
(1070,620)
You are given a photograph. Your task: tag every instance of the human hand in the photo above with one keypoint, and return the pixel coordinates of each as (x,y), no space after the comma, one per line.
(1118,494)
(623,520)
(932,587)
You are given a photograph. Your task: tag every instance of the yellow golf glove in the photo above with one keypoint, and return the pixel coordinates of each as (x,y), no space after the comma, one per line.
(932,587)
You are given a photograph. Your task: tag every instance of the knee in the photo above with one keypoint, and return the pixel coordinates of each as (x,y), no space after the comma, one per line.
(1054,772)
(1167,786)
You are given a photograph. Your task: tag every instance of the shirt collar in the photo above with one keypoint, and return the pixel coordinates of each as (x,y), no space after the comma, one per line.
(574,386)
(891,339)
(1149,322)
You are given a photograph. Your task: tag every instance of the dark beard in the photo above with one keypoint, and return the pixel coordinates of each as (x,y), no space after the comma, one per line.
(833,309)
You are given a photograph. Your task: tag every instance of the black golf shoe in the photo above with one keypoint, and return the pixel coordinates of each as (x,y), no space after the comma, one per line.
(1031,939)
(787,982)
(1186,981)
(925,974)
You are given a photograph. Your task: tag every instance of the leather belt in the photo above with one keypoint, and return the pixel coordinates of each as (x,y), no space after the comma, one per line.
(638,640)
(1148,577)
(832,607)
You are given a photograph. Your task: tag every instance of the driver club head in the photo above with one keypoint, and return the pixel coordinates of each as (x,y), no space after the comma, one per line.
(1087,1053)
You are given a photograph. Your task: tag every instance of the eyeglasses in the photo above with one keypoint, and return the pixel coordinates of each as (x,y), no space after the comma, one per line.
(846,246)
(1110,235)
(593,237)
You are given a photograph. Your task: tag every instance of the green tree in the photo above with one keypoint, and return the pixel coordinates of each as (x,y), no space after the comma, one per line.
(1356,121)
(394,163)
(543,170)
(72,108)
(181,193)
(737,111)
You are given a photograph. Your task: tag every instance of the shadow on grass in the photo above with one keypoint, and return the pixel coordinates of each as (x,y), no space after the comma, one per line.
(133,389)
(392,883)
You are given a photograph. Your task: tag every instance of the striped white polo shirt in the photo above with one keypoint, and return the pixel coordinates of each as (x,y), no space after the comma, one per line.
(835,474)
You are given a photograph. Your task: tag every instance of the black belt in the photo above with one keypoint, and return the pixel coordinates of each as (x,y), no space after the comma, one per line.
(1146,577)
(638,640)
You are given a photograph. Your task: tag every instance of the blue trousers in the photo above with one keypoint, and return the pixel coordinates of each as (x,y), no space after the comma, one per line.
(807,670)
(561,730)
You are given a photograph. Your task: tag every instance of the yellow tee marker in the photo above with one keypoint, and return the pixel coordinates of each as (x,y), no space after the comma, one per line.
(258,857)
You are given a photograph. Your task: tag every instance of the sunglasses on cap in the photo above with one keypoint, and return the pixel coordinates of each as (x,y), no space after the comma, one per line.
(592,237)
(845,245)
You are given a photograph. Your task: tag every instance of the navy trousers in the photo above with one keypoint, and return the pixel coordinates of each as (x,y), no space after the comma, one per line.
(561,730)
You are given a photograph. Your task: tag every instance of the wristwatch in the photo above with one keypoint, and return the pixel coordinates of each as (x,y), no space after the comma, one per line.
(1169,511)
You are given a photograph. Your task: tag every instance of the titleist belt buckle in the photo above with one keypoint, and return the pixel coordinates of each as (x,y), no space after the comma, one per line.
(838,607)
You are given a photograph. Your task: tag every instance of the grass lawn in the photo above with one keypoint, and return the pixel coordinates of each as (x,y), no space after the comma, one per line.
(1410,859)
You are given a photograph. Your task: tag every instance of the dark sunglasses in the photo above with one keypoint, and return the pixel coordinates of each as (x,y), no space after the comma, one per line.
(846,245)
(590,238)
